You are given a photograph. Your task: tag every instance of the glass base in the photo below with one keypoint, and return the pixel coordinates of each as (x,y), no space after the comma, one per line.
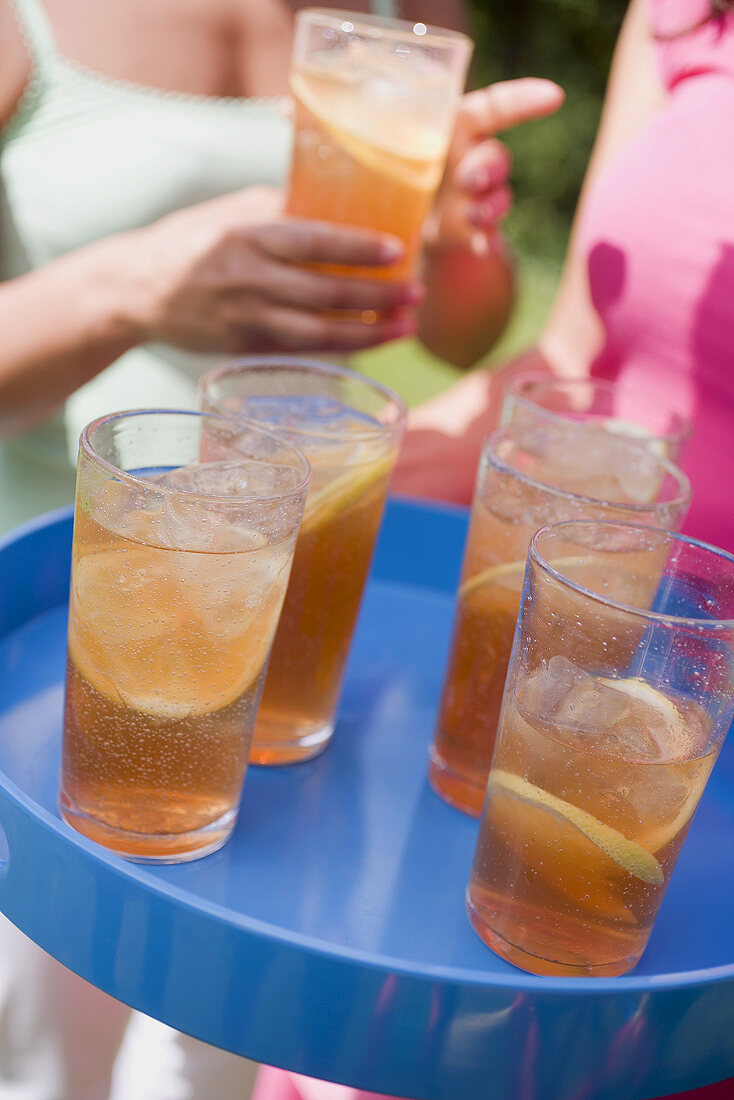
(279,742)
(147,848)
(455,789)
(534,964)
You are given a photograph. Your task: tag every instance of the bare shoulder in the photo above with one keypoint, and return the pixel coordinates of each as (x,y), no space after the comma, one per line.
(14,63)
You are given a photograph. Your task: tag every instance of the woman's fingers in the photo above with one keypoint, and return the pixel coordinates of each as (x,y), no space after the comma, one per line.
(484,167)
(491,208)
(289,285)
(288,329)
(294,241)
(508,103)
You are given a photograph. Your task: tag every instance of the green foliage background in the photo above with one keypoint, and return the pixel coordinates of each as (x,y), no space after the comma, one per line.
(571,42)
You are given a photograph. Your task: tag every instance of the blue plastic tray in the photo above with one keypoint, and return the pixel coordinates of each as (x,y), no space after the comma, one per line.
(329,936)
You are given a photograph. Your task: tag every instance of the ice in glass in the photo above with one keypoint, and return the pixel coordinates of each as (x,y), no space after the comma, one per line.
(610,406)
(180,565)
(349,428)
(529,475)
(375,101)
(603,753)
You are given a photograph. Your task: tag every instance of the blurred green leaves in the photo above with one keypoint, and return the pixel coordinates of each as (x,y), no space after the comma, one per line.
(571,42)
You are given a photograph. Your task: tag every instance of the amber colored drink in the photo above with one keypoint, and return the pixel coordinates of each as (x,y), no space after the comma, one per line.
(349,428)
(593,786)
(374,103)
(618,697)
(529,476)
(330,565)
(350,178)
(167,649)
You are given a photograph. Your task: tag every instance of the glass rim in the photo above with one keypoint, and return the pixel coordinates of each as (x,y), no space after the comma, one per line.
(604,385)
(689,622)
(296,364)
(403,29)
(512,431)
(87,447)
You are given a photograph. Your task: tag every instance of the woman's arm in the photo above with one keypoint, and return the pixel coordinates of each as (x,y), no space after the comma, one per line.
(441,450)
(228,275)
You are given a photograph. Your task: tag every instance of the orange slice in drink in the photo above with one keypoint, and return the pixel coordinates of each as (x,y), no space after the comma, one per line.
(325,504)
(511,574)
(136,636)
(415,162)
(628,854)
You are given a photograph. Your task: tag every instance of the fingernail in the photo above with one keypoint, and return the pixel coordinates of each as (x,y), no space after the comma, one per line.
(390,251)
(412,294)
(478,179)
(482,215)
(404,326)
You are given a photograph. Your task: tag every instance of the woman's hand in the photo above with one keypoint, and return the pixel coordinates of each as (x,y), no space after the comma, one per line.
(440,452)
(230,275)
(475,194)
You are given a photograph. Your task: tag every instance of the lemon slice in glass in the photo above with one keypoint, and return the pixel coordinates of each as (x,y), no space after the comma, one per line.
(510,574)
(646,693)
(325,504)
(628,854)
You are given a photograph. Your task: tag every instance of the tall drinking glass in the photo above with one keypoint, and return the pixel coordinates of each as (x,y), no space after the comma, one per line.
(597,403)
(349,427)
(619,695)
(375,103)
(184,530)
(528,476)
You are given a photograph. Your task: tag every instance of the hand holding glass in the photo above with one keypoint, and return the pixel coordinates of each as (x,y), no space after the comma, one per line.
(375,104)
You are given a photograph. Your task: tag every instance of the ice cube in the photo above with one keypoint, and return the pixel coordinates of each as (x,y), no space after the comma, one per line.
(638,473)
(211,479)
(592,707)
(659,794)
(543,693)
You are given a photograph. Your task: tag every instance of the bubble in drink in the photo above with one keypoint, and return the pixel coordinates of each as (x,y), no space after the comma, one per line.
(593,786)
(373,119)
(166,656)
(540,474)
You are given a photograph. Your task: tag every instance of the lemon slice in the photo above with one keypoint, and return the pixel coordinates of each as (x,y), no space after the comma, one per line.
(126,691)
(327,503)
(512,571)
(510,574)
(417,163)
(629,855)
(133,637)
(646,693)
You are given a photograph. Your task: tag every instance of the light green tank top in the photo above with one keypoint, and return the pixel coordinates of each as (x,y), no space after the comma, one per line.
(86,156)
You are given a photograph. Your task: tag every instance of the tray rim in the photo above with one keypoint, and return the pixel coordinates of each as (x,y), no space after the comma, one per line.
(517,980)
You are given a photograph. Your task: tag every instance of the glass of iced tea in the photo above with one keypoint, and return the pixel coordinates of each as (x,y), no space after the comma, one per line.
(529,476)
(610,406)
(350,428)
(375,103)
(618,698)
(184,531)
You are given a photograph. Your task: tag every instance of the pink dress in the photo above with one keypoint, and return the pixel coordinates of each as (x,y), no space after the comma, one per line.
(658,233)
